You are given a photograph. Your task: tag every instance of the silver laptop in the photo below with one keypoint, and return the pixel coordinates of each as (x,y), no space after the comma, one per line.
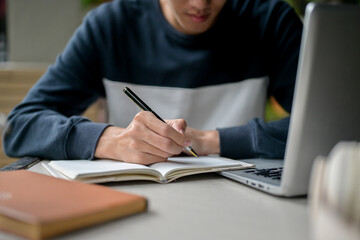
(326,107)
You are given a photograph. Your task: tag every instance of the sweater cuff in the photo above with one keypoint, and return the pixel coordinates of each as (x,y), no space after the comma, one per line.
(82,140)
(235,142)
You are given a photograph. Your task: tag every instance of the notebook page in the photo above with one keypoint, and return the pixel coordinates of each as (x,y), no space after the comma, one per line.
(192,163)
(79,168)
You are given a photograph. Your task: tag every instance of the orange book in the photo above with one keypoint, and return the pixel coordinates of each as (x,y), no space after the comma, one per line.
(37,206)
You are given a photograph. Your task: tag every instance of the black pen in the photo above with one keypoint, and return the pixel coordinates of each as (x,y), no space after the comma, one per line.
(145,107)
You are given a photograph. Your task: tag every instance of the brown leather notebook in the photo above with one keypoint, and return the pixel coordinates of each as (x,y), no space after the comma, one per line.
(37,206)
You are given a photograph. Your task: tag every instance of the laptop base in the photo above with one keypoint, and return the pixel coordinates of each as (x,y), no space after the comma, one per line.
(255,179)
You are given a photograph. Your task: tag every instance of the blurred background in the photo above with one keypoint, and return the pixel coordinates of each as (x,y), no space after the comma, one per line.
(33,33)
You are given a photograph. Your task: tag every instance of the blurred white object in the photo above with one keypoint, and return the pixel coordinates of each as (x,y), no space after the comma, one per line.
(334,195)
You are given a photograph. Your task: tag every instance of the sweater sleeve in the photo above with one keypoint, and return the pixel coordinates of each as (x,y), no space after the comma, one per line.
(280,31)
(48,123)
(257,139)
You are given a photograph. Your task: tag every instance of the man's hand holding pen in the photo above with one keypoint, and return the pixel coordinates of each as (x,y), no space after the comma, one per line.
(146,140)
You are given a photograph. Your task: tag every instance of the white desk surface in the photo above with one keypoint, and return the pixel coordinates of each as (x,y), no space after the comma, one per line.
(206,206)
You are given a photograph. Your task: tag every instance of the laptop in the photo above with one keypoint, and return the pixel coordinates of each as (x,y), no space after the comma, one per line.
(326,107)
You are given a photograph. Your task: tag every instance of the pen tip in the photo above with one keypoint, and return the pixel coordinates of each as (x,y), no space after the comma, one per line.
(194,153)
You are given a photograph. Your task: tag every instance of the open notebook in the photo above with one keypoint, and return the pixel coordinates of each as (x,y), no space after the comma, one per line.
(99,171)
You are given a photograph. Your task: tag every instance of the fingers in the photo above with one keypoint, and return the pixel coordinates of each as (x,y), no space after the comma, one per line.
(165,130)
(178,124)
(145,139)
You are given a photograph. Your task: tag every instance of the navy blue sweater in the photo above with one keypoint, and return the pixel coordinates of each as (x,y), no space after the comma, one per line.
(130,41)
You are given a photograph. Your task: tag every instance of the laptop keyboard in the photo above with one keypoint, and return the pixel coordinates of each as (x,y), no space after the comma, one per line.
(273,173)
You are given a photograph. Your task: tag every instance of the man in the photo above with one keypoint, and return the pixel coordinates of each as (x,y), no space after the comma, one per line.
(210,62)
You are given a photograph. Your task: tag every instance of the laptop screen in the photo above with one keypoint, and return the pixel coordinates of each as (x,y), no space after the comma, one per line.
(327,99)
